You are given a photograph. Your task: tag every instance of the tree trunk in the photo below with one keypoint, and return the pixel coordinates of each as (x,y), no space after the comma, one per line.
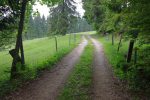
(16,57)
(22,53)
(129,56)
(120,42)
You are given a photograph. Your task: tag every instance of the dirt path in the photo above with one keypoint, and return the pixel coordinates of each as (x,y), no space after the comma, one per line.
(105,87)
(48,85)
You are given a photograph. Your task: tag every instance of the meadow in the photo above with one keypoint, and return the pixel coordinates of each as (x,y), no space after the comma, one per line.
(37,53)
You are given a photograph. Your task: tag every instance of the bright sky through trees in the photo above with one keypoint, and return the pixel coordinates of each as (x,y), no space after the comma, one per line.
(44,10)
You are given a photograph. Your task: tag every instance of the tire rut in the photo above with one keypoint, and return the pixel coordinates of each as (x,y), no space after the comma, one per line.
(105,86)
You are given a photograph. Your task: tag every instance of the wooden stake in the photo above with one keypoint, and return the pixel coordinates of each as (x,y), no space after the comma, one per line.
(70,39)
(135,56)
(129,56)
(56,44)
(119,42)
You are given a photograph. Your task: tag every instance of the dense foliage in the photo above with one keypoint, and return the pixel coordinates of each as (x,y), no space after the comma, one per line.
(9,10)
(118,15)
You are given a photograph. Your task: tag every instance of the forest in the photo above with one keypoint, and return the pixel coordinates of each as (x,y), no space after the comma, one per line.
(103,54)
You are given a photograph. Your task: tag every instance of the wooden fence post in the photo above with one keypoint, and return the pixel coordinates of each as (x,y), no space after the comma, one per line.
(56,43)
(135,56)
(69,39)
(74,38)
(120,42)
(129,56)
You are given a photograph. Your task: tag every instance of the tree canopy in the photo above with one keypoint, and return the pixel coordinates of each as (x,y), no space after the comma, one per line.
(119,15)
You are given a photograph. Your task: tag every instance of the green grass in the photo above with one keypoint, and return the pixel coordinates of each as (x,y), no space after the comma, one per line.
(79,83)
(39,54)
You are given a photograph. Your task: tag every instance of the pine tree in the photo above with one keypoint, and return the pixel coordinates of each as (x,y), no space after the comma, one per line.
(62,16)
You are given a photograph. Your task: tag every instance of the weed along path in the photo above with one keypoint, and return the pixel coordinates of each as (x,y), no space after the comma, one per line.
(48,85)
(104,85)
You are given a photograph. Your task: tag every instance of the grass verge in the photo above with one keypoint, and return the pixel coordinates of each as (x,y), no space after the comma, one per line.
(79,83)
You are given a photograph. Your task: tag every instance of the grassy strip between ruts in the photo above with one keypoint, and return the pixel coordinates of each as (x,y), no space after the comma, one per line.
(31,73)
(79,83)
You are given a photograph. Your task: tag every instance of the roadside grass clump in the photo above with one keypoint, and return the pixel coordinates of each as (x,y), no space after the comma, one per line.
(79,83)
(40,54)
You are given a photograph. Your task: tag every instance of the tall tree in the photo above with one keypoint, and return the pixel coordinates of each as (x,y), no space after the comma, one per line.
(15,52)
(62,15)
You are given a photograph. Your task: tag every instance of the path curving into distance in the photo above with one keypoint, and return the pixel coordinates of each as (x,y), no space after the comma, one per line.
(48,86)
(105,87)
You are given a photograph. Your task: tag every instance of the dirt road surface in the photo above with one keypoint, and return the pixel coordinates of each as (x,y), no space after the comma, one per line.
(105,86)
(47,86)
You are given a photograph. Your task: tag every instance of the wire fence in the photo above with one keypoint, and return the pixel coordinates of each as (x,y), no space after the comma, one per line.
(37,51)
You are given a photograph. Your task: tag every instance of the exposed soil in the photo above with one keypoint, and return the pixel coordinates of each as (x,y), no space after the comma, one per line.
(105,85)
(49,84)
